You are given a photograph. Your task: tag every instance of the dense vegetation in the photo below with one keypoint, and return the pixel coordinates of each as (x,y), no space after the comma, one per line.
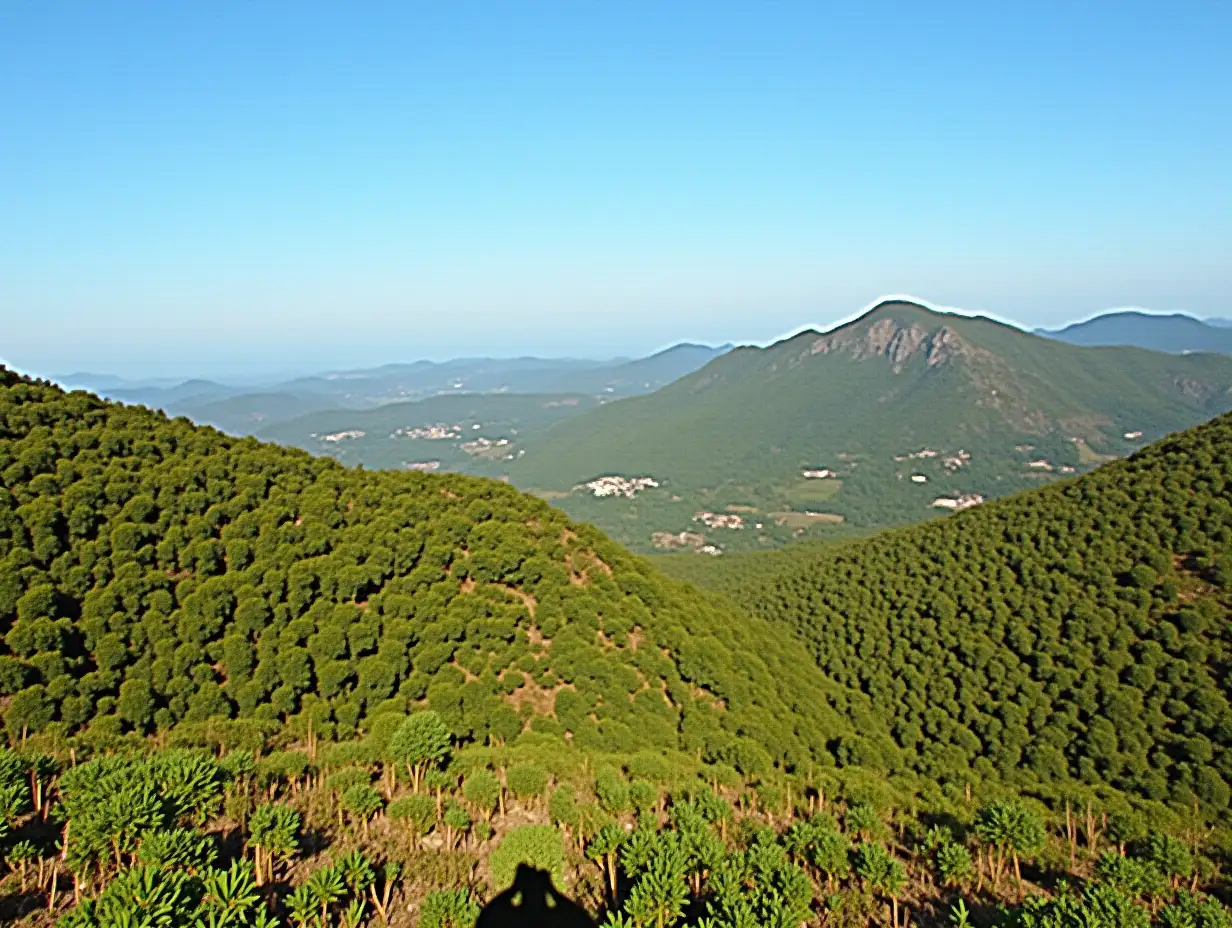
(1080,631)
(896,381)
(154,572)
(406,827)
(247,687)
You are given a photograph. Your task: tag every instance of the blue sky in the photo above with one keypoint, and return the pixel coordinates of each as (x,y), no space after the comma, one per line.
(227,187)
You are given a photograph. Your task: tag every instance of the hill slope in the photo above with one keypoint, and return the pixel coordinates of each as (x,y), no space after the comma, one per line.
(1082,629)
(445,432)
(643,375)
(862,398)
(153,572)
(1176,333)
(246,413)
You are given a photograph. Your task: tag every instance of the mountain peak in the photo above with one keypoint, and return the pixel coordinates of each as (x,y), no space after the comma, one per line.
(901,308)
(897,330)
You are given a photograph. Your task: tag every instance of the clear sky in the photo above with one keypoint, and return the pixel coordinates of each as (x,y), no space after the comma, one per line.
(222,187)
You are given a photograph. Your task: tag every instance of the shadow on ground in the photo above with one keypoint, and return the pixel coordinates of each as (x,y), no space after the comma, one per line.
(531,901)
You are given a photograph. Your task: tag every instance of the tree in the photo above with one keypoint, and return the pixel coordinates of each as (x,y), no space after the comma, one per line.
(419,810)
(1099,907)
(1010,826)
(325,885)
(759,886)
(954,864)
(1170,855)
(482,790)
(659,895)
(231,897)
(604,847)
(273,836)
(29,711)
(419,743)
(456,822)
(136,704)
(865,822)
(527,781)
(363,801)
(1191,911)
(882,874)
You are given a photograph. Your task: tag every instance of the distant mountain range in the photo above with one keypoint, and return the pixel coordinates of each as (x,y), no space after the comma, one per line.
(245,408)
(887,419)
(1176,333)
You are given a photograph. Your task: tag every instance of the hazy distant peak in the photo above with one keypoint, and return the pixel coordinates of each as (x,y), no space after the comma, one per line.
(1173,332)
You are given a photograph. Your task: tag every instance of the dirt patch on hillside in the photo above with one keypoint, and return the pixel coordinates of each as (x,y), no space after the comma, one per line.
(540,700)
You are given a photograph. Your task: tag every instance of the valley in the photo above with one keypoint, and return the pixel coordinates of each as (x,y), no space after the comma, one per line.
(910,413)
(906,410)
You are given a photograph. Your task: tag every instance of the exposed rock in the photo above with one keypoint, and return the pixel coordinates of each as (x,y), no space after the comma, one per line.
(897,342)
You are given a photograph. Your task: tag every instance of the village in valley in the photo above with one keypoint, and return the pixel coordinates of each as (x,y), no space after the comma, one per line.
(817,500)
(755,518)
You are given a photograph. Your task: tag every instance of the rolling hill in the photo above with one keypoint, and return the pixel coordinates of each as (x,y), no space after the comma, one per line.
(249,687)
(452,431)
(1176,333)
(154,573)
(1081,630)
(895,410)
(247,413)
(643,375)
(245,409)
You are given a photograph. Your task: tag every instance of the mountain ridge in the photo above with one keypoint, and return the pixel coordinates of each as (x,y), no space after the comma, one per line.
(1173,332)
(859,397)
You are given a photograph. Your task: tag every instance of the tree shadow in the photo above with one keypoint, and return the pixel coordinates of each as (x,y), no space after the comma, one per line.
(531,901)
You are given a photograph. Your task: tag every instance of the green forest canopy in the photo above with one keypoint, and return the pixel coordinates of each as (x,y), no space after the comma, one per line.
(154,572)
(1079,631)
(161,578)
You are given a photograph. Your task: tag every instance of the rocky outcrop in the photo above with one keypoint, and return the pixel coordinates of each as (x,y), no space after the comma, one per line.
(896,341)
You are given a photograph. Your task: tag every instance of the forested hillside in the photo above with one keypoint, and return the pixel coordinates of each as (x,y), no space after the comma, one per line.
(248,688)
(1078,631)
(155,572)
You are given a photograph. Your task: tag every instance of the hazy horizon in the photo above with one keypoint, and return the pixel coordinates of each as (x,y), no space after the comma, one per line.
(273,375)
(233,190)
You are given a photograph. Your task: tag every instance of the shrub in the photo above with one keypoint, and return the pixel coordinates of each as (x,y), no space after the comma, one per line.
(539,846)
(419,810)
